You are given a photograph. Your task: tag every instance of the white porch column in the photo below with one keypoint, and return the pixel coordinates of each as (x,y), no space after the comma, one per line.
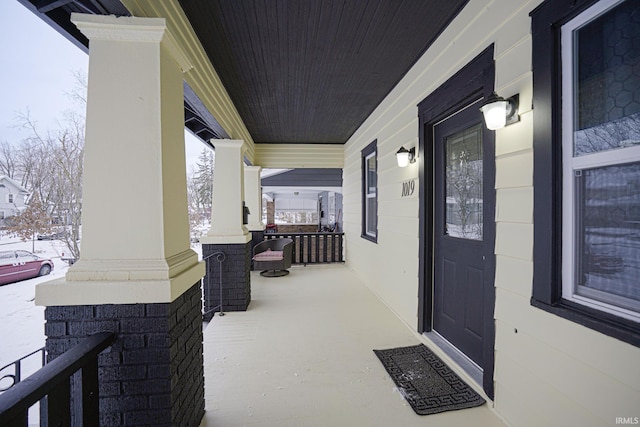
(135,230)
(228,194)
(253,197)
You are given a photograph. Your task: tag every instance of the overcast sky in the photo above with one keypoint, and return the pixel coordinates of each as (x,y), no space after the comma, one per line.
(37,72)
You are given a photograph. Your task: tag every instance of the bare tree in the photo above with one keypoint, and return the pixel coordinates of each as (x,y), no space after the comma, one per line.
(8,161)
(199,189)
(50,165)
(194,200)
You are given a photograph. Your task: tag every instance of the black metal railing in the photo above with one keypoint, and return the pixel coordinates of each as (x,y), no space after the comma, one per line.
(53,383)
(12,373)
(220,257)
(314,248)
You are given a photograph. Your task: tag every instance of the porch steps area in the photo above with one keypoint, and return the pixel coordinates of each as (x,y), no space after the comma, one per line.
(302,356)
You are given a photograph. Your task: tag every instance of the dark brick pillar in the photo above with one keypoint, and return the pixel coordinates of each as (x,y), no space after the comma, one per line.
(271,212)
(256,237)
(153,374)
(236,277)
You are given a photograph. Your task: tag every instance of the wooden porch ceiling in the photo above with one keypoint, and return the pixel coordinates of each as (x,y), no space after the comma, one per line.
(311,71)
(298,71)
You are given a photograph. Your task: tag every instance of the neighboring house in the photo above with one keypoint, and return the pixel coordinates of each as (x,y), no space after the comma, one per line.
(13,198)
(532,277)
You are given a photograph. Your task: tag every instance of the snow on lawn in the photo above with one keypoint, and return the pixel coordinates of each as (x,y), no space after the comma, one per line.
(21,321)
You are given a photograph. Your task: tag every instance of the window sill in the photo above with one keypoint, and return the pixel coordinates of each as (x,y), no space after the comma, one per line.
(370,238)
(622,329)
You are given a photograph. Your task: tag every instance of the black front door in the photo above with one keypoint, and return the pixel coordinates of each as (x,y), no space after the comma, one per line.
(461,244)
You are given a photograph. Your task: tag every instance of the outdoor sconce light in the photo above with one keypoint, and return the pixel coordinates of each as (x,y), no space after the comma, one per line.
(499,112)
(404,156)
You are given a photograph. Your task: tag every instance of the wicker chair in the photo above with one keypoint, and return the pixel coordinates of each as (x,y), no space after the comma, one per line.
(273,257)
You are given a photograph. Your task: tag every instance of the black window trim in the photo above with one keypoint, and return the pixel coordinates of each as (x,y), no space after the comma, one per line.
(366,151)
(547,20)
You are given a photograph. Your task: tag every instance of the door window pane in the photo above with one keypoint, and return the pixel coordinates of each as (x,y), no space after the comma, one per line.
(463,180)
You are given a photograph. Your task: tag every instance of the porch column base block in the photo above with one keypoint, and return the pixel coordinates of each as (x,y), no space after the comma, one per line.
(210,239)
(153,374)
(236,278)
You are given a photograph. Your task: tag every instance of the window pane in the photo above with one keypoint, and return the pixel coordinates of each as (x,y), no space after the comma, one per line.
(371,175)
(371,216)
(607,76)
(296,217)
(608,234)
(463,151)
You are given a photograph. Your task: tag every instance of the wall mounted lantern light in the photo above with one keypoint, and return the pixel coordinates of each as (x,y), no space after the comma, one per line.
(404,156)
(499,112)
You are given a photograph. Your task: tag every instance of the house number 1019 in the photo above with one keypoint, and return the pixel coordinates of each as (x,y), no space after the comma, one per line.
(408,187)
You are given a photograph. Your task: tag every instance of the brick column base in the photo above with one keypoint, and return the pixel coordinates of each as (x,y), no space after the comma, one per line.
(153,374)
(236,277)
(256,237)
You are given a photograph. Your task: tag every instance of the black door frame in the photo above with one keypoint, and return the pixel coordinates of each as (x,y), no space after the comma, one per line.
(472,82)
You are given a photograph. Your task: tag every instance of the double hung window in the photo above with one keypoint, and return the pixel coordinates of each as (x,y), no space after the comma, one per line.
(601,158)
(370,192)
(587,163)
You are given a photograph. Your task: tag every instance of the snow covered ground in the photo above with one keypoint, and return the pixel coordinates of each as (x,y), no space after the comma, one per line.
(21,321)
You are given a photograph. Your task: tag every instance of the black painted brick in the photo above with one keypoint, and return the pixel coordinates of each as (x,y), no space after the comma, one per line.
(55,329)
(145,356)
(60,345)
(159,401)
(108,389)
(236,274)
(113,311)
(83,328)
(143,325)
(146,387)
(117,373)
(109,358)
(158,371)
(69,312)
(156,417)
(133,341)
(158,340)
(157,310)
(110,418)
(155,360)
(131,403)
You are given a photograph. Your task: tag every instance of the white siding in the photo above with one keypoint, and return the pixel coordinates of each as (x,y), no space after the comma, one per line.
(551,371)
(283,156)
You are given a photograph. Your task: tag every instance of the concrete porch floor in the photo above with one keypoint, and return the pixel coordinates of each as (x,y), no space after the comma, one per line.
(302,356)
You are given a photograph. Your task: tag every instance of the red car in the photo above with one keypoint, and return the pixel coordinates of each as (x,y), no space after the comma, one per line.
(20,265)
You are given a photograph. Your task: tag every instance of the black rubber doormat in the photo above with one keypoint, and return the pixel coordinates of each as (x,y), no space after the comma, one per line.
(426,382)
